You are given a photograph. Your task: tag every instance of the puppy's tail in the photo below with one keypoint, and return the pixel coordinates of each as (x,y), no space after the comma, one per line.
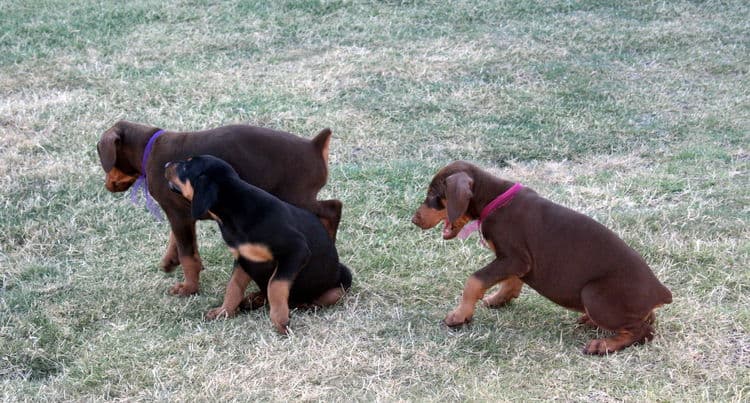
(345,277)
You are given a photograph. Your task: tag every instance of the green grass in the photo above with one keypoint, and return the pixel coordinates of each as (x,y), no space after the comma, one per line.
(635,113)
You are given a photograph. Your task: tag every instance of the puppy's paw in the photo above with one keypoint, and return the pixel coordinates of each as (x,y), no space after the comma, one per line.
(280,320)
(282,328)
(169,263)
(598,347)
(219,313)
(457,318)
(183,289)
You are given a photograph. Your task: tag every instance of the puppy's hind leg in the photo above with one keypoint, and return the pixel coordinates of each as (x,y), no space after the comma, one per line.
(190,260)
(335,294)
(608,310)
(633,334)
(253,301)
(170,260)
(509,289)
(585,321)
(330,297)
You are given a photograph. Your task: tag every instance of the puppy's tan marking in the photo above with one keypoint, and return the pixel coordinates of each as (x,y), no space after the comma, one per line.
(278,299)
(427,217)
(171,259)
(233,295)
(620,340)
(255,252)
(185,188)
(508,290)
(330,297)
(118,181)
(473,291)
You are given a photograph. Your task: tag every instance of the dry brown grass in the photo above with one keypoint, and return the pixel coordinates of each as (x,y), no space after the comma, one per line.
(635,114)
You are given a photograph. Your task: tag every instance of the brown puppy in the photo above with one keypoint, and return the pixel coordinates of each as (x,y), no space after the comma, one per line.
(289,167)
(564,255)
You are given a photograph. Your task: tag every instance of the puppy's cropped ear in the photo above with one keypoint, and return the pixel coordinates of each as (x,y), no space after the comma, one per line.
(205,193)
(321,142)
(107,148)
(458,193)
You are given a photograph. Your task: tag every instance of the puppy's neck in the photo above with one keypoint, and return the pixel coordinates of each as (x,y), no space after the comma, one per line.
(486,188)
(232,190)
(134,138)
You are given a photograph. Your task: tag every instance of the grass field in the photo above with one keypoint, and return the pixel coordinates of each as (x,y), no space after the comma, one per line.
(635,113)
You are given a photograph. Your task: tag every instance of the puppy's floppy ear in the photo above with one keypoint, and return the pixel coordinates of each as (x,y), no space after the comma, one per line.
(107,148)
(458,192)
(205,193)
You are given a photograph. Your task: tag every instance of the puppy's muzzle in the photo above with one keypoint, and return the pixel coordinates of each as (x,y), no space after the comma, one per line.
(174,188)
(170,172)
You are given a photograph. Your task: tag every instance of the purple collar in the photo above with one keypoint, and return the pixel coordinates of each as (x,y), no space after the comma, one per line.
(495,204)
(142,181)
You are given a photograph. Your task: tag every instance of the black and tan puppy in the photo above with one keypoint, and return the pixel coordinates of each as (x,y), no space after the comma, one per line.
(564,255)
(283,248)
(290,167)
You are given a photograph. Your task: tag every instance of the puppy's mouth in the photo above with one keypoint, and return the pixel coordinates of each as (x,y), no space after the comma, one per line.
(118,181)
(170,174)
(174,188)
(451,230)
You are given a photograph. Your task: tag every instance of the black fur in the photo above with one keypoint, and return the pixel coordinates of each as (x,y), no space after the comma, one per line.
(303,251)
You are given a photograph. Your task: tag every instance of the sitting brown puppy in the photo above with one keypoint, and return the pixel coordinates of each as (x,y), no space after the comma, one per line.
(290,167)
(564,255)
(283,248)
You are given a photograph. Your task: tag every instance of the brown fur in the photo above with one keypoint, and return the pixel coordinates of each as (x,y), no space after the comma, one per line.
(564,255)
(290,167)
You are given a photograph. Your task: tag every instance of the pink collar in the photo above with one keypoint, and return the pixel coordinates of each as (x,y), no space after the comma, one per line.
(495,204)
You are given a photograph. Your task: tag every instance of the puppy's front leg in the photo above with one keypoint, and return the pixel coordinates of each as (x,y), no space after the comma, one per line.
(233,296)
(281,283)
(278,299)
(498,270)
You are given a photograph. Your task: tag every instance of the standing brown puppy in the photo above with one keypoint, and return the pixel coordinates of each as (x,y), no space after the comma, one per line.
(290,167)
(564,255)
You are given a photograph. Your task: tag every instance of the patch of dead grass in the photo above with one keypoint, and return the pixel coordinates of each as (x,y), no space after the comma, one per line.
(83,300)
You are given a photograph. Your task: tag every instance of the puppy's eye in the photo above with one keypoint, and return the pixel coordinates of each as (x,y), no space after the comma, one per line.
(434,202)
